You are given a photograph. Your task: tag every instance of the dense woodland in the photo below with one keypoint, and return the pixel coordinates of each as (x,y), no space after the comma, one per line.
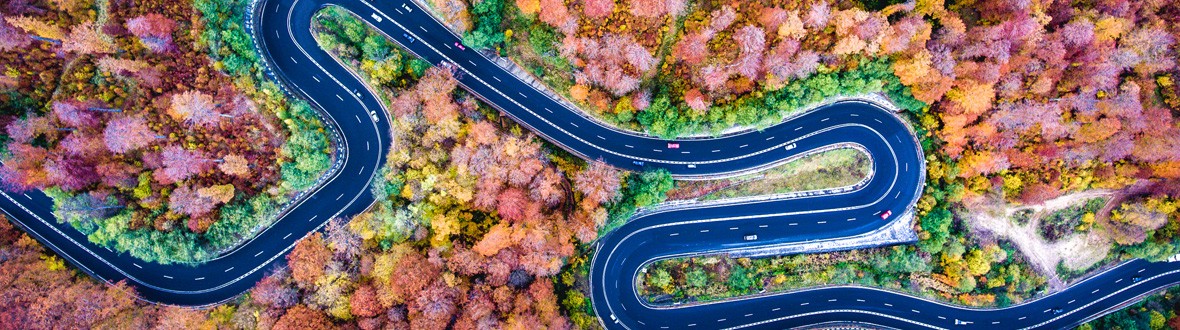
(480,224)
(119,113)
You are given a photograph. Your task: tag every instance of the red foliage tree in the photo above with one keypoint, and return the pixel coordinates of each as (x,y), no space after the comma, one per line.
(308,259)
(364,302)
(301,317)
(511,204)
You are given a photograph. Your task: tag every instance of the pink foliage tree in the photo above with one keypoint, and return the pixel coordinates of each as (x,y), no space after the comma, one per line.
(597,8)
(125,134)
(154,30)
(180,164)
(187,201)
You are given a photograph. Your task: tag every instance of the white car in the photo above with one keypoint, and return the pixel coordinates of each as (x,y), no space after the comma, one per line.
(376,18)
(750,237)
(790,146)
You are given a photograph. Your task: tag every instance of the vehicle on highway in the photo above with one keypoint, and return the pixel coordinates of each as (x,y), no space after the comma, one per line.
(790,146)
(961,322)
(885,215)
(1058,310)
(672,145)
(408,37)
(460,46)
(407,8)
(1136,279)
(637,163)
(750,237)
(692,166)
(376,18)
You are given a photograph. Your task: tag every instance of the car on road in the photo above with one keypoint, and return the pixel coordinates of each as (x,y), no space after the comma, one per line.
(1136,279)
(750,237)
(408,37)
(637,163)
(672,145)
(885,215)
(407,8)
(692,166)
(961,322)
(1058,310)
(376,18)
(790,146)
(460,46)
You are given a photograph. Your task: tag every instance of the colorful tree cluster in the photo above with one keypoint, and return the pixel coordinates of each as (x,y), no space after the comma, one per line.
(158,154)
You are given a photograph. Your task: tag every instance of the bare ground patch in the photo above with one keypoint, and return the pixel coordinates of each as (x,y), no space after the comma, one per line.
(1077,251)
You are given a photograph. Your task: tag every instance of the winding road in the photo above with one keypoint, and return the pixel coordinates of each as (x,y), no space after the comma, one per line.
(282,29)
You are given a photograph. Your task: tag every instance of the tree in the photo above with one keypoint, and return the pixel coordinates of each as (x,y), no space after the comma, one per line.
(556,14)
(364,302)
(598,183)
(37,27)
(696,100)
(414,274)
(221,193)
(302,317)
(154,30)
(497,238)
(692,49)
(188,201)
(487,32)
(180,164)
(697,278)
(597,8)
(85,38)
(272,292)
(125,134)
(235,165)
(12,38)
(434,307)
(511,204)
(308,259)
(193,107)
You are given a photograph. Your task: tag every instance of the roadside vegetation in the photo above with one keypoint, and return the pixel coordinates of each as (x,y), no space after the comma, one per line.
(828,169)
(153,135)
(1157,311)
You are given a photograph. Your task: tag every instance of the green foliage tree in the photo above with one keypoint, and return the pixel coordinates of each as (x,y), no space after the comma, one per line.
(488,31)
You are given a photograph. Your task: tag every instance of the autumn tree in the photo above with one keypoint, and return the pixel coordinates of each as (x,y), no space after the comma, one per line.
(193,107)
(153,30)
(307,260)
(128,133)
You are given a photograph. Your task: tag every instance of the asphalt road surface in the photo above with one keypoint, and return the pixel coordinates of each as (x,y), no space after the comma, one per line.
(282,29)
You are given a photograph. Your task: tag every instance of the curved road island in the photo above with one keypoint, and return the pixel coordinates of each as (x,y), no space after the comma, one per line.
(282,30)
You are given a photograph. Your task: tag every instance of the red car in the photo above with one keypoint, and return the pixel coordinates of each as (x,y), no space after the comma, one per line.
(885,215)
(673,145)
(460,46)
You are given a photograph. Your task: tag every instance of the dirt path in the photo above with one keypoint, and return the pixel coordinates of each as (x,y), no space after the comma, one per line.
(1075,251)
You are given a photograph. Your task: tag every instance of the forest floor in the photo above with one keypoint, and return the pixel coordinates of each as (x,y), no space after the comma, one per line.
(1077,251)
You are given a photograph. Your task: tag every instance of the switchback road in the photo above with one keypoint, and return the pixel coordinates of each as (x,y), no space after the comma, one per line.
(282,29)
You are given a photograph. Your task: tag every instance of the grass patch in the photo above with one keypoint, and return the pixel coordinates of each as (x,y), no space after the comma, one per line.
(828,169)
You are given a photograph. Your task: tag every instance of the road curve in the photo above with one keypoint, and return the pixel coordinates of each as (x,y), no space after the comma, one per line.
(282,29)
